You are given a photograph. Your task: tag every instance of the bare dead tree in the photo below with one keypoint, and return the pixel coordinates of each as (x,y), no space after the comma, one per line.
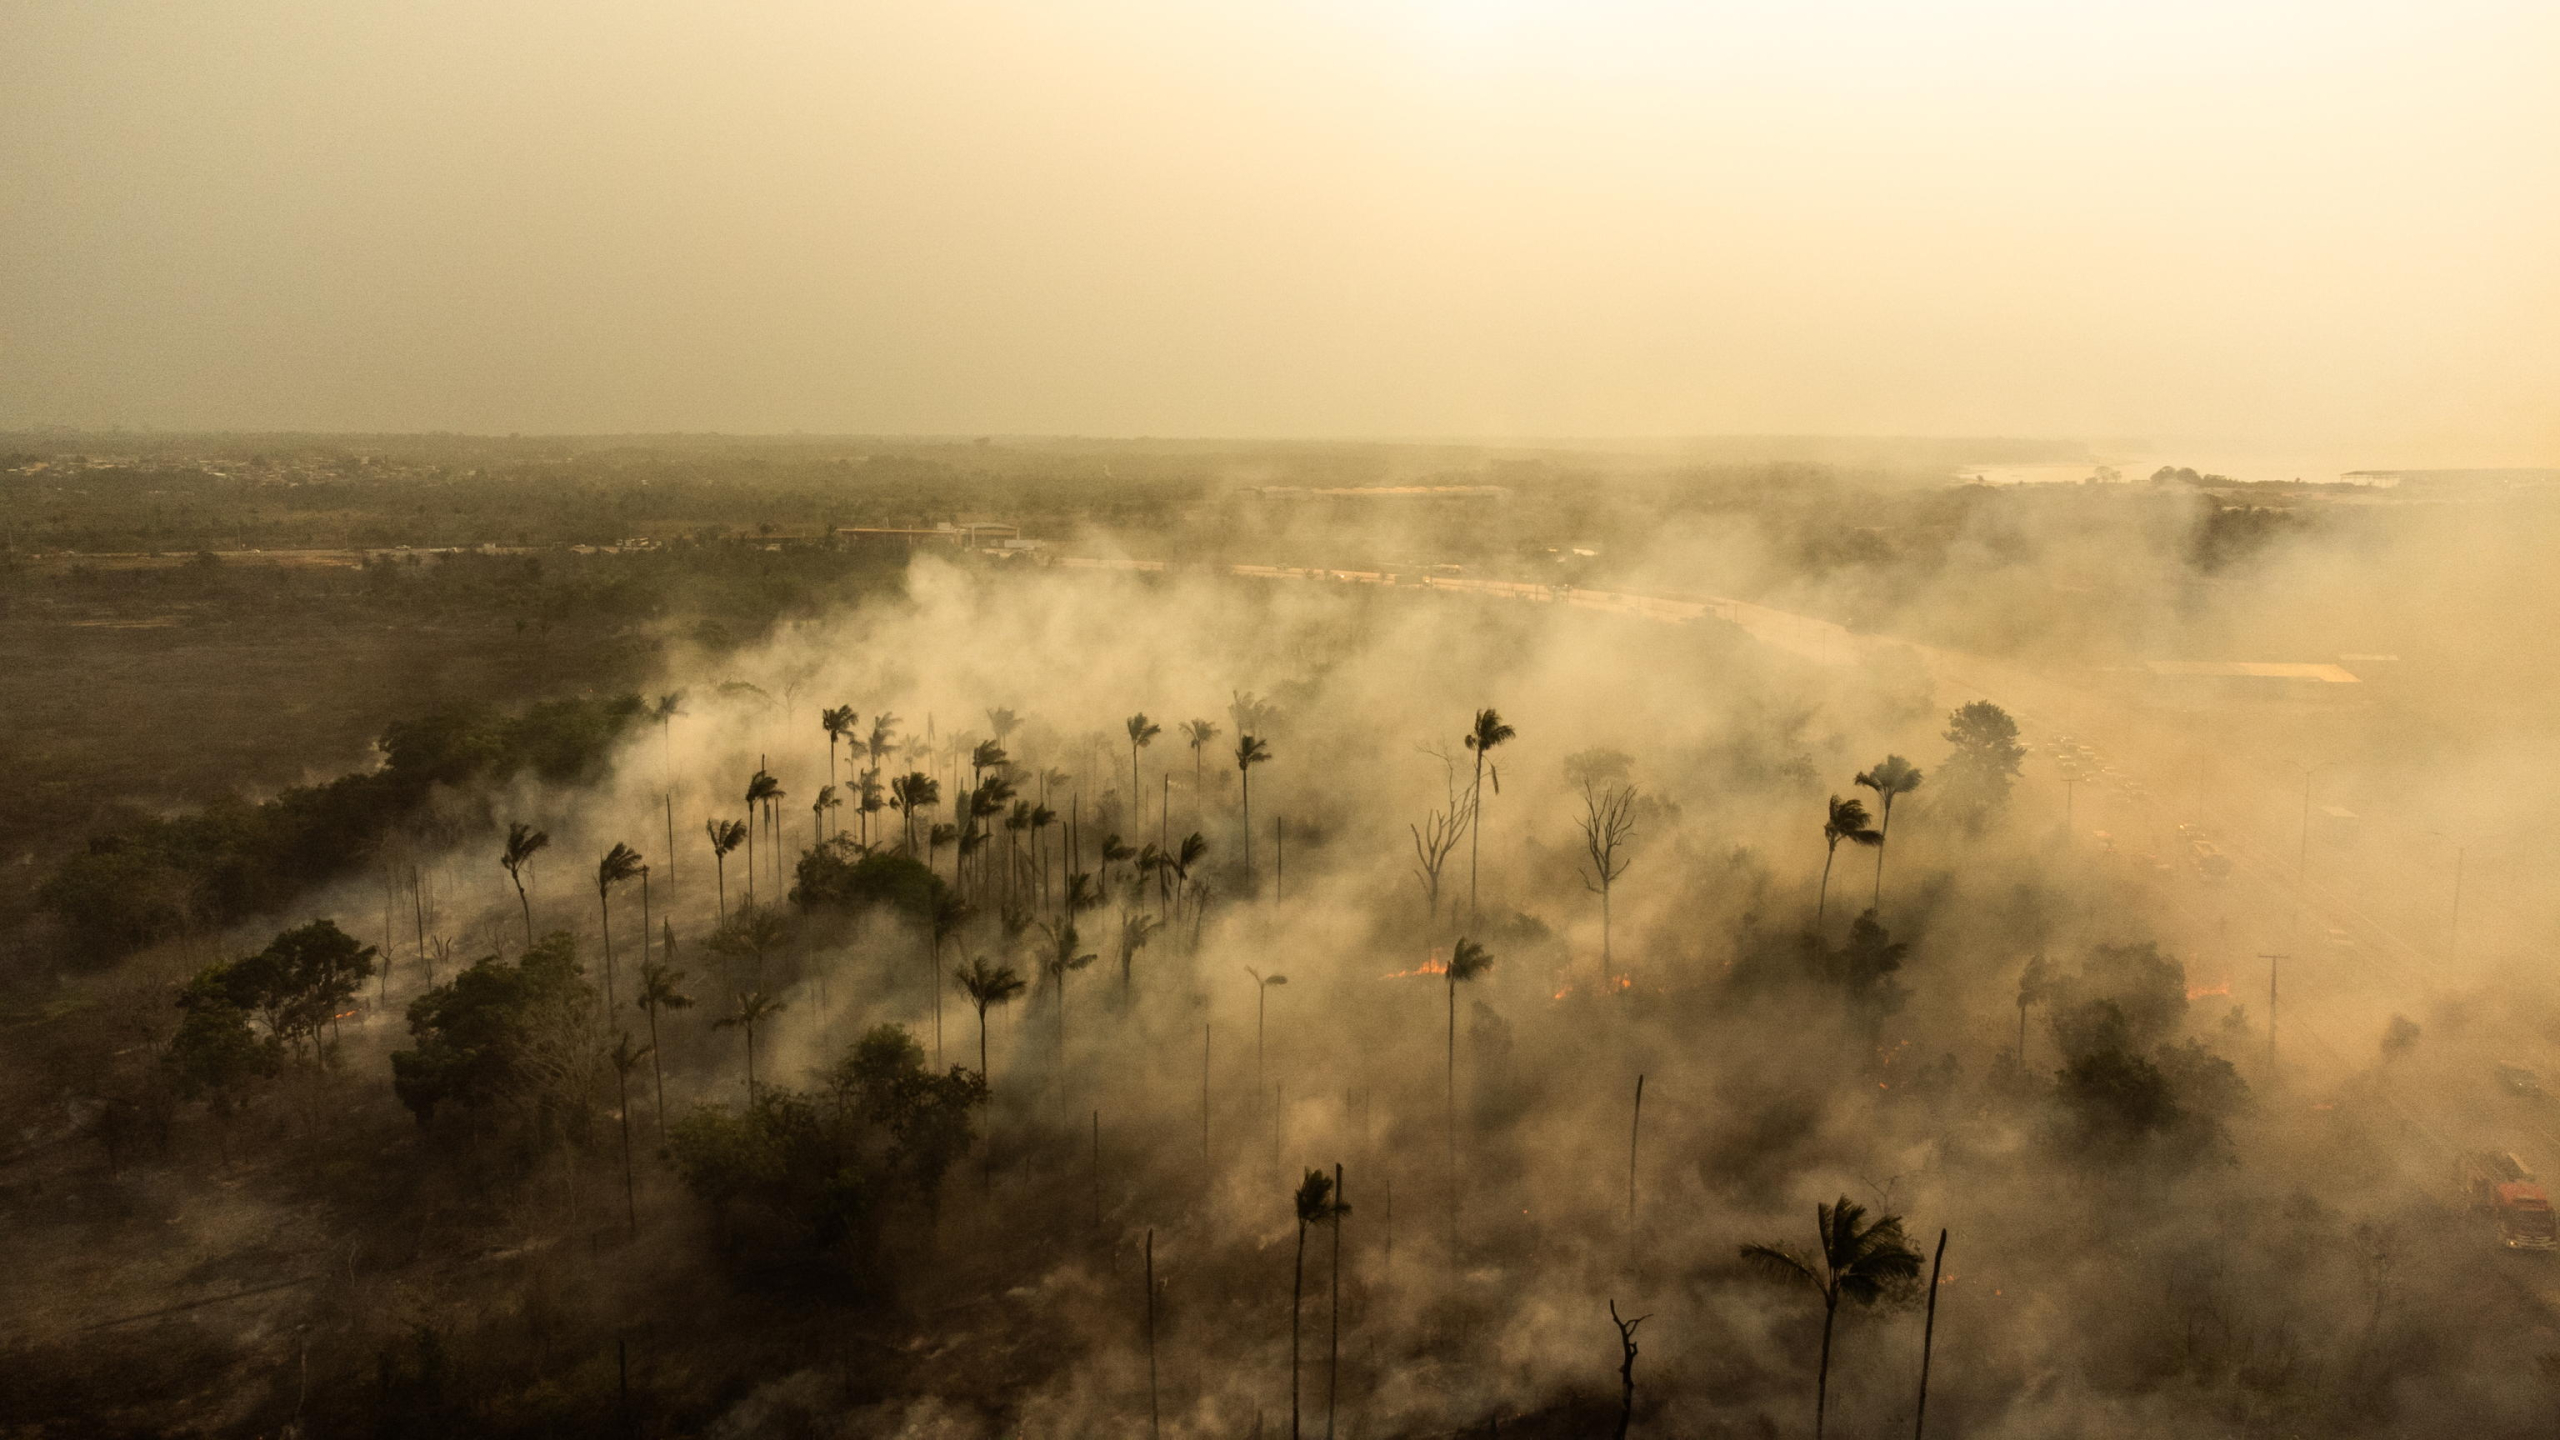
(1436,837)
(1626,1367)
(1608,824)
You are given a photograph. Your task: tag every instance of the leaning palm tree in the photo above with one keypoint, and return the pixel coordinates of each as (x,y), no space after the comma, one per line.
(1489,732)
(1135,931)
(826,800)
(1466,962)
(837,721)
(619,865)
(625,1057)
(1250,751)
(1114,851)
(662,988)
(986,985)
(910,793)
(1316,1206)
(1848,821)
(754,1008)
(1857,1263)
(1179,863)
(762,790)
(523,843)
(725,836)
(1893,776)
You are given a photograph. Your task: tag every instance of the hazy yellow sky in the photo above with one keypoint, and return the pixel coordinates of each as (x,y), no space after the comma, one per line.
(2333,224)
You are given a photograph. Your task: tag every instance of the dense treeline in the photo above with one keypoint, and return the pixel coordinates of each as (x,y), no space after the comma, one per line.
(153,877)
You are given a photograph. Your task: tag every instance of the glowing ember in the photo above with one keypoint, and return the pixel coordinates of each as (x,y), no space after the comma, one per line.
(2222,989)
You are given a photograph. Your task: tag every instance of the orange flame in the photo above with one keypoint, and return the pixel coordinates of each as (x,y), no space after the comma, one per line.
(2199,993)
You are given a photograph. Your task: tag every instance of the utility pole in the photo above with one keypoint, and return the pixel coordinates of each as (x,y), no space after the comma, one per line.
(2272,962)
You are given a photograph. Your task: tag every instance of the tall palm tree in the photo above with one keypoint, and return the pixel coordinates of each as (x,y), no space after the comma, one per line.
(1042,817)
(662,988)
(1848,821)
(1856,1263)
(935,838)
(762,790)
(1017,826)
(1002,722)
(725,836)
(1893,776)
(986,755)
(1062,961)
(986,985)
(1315,1206)
(838,723)
(1142,733)
(754,1008)
(1135,931)
(523,843)
(884,738)
(1198,734)
(867,801)
(1250,751)
(619,865)
(625,1057)
(949,913)
(1114,850)
(1489,732)
(1467,961)
(669,706)
(1179,863)
(826,800)
(909,793)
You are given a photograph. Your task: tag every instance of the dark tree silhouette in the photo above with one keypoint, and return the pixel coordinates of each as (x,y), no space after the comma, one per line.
(986,985)
(1892,778)
(1626,1367)
(620,865)
(1198,734)
(1467,961)
(625,1057)
(754,1008)
(725,836)
(523,843)
(1847,821)
(838,723)
(1984,763)
(1856,1262)
(1142,733)
(910,793)
(661,988)
(1488,732)
(1250,752)
(1315,1206)
(762,790)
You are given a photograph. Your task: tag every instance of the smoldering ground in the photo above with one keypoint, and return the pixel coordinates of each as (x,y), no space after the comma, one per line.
(2151,1228)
